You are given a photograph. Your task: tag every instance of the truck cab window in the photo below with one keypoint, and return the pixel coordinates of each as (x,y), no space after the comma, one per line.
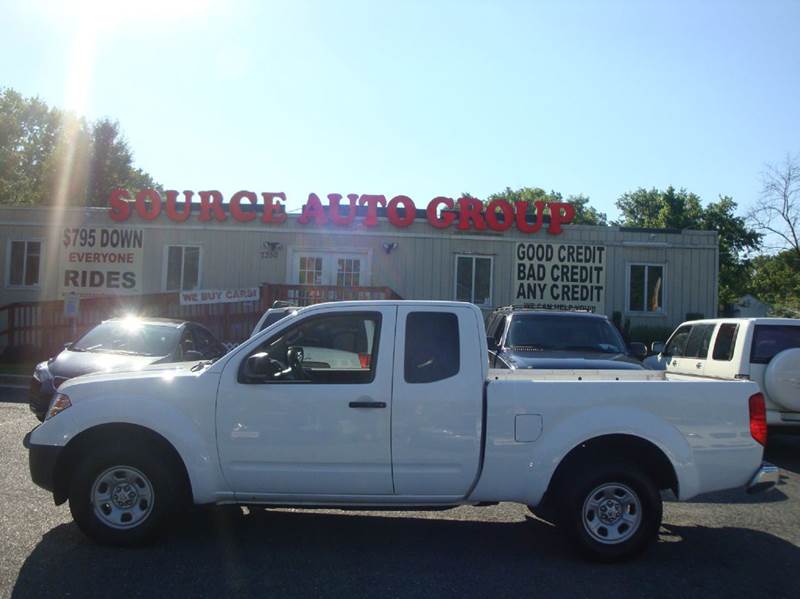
(677,344)
(335,348)
(432,351)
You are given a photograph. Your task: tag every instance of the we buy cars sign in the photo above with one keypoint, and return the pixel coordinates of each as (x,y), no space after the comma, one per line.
(219,296)
(101,261)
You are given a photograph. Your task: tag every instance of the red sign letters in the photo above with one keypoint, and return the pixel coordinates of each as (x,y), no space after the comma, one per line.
(442,212)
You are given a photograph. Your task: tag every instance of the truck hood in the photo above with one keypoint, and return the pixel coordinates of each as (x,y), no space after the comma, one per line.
(69,364)
(549,360)
(166,372)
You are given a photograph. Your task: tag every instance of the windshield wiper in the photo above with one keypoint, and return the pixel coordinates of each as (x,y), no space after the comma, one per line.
(126,352)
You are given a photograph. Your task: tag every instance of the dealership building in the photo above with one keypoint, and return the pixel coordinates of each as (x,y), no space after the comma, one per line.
(245,253)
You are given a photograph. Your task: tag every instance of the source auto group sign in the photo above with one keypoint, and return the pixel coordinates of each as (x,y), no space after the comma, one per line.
(441,212)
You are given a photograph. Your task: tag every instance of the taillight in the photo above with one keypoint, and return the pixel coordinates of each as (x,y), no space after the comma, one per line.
(758,418)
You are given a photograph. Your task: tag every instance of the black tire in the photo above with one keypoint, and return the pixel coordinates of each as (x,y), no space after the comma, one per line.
(162,498)
(609,485)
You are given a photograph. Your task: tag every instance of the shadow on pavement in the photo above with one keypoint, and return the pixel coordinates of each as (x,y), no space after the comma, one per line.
(783,450)
(221,552)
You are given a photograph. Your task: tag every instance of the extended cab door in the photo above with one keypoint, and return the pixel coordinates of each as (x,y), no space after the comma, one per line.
(437,402)
(318,424)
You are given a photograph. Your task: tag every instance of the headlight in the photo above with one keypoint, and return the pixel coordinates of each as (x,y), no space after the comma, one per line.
(58,404)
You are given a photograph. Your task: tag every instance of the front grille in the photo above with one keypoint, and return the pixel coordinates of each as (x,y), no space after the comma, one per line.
(34,387)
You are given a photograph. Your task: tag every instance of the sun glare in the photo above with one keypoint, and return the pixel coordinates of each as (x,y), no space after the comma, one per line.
(89,21)
(131,323)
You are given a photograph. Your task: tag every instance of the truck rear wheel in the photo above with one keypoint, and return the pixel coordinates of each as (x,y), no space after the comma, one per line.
(611,512)
(121,497)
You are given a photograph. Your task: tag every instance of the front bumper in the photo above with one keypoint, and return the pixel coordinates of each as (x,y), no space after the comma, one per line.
(765,478)
(42,461)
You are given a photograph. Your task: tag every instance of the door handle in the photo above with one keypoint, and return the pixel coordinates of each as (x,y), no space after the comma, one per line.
(699,365)
(367,404)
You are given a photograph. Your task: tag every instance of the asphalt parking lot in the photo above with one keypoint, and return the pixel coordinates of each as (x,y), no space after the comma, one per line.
(725,545)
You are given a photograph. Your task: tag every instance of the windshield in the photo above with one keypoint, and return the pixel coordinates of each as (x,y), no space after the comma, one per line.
(539,332)
(129,337)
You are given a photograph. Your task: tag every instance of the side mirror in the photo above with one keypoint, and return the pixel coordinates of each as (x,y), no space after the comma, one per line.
(259,365)
(638,350)
(657,347)
(295,357)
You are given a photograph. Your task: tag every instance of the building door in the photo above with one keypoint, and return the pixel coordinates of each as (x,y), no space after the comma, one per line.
(339,269)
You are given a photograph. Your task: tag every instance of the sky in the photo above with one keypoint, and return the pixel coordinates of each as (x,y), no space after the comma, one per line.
(425,98)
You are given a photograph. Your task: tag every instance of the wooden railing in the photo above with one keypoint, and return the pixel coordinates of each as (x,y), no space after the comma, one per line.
(43,329)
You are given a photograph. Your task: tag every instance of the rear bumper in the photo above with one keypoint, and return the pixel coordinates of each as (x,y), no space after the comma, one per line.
(764,478)
(42,461)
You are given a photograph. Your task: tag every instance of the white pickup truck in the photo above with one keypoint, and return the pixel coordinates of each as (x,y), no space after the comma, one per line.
(763,350)
(392,404)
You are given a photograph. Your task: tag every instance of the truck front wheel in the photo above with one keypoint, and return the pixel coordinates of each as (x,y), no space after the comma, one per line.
(611,512)
(121,497)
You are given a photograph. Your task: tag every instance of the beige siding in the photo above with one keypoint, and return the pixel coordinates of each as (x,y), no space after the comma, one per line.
(421,267)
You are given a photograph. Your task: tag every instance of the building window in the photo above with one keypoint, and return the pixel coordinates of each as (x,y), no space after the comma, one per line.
(183,268)
(646,288)
(24,261)
(348,271)
(310,270)
(474,279)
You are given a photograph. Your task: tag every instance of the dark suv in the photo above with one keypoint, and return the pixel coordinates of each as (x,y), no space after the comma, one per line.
(528,338)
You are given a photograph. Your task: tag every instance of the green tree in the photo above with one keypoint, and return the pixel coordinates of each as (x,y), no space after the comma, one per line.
(111,164)
(28,136)
(736,242)
(680,209)
(584,213)
(775,279)
(668,209)
(47,155)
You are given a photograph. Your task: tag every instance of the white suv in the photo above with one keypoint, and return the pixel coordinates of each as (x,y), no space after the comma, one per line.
(763,350)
